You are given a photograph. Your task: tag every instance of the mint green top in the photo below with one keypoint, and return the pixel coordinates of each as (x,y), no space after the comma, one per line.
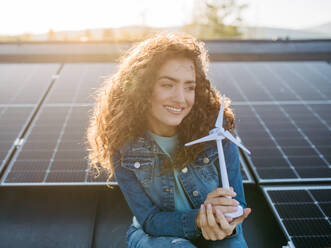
(168,146)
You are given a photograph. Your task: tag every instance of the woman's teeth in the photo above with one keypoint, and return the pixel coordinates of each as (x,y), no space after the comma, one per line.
(173,109)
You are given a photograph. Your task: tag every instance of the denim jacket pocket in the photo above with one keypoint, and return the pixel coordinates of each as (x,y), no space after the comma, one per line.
(205,165)
(143,167)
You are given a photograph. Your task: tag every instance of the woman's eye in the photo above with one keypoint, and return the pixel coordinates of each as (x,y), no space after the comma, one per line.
(191,88)
(167,85)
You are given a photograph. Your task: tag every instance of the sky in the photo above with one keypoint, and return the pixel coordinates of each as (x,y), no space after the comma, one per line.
(38,16)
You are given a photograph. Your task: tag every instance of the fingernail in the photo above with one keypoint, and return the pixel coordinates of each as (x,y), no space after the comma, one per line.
(202,206)
(234,193)
(237,202)
(209,206)
(218,212)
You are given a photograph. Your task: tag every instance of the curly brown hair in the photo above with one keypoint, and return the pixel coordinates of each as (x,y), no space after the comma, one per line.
(120,112)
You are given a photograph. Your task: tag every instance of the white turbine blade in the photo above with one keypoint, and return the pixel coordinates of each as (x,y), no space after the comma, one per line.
(228,135)
(203,139)
(219,121)
(224,173)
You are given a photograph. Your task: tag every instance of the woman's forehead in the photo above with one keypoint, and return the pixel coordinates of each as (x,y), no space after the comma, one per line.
(177,65)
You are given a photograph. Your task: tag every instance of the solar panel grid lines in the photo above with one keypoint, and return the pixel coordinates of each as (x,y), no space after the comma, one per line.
(303,213)
(270,165)
(281,80)
(313,68)
(12,123)
(25,83)
(325,97)
(39,150)
(263,125)
(289,117)
(95,74)
(22,89)
(281,143)
(50,152)
(246,175)
(278,126)
(308,87)
(67,116)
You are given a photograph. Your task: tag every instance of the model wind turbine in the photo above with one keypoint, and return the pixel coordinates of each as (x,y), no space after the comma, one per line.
(218,134)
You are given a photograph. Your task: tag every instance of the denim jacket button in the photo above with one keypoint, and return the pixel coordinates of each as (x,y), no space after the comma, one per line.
(206,160)
(195,193)
(136,165)
(184,170)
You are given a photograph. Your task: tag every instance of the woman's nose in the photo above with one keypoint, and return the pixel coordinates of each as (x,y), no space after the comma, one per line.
(179,95)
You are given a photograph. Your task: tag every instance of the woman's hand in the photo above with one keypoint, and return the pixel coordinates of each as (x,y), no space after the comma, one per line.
(219,201)
(209,226)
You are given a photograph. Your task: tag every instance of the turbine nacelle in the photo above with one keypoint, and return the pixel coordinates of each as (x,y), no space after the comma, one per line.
(218,131)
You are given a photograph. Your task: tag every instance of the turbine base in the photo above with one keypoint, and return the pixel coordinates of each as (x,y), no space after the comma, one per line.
(236,214)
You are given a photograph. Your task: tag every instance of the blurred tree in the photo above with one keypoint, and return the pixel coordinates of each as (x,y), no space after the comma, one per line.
(51,35)
(215,19)
(65,37)
(88,35)
(26,37)
(108,34)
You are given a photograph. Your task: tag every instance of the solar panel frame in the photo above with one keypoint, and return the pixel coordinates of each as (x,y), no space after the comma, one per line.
(234,76)
(16,141)
(246,175)
(284,155)
(26,80)
(33,106)
(43,169)
(266,189)
(274,102)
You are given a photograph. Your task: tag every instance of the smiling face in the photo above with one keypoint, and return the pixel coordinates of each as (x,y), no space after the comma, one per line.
(172,97)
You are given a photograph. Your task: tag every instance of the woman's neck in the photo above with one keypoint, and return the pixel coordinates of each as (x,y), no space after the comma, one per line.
(162,130)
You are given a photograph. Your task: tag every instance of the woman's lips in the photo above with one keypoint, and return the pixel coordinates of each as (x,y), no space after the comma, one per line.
(174,110)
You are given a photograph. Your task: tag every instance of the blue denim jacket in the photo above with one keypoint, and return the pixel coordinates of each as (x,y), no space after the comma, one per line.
(151,197)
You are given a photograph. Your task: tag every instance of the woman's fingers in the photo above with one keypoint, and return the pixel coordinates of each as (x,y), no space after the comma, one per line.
(225,226)
(224,201)
(240,219)
(212,224)
(221,192)
(202,216)
(229,219)
(203,222)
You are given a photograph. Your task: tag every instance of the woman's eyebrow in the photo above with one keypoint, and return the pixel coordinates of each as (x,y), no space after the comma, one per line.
(175,80)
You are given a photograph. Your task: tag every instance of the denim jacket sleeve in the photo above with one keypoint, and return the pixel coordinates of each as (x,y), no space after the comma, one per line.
(154,221)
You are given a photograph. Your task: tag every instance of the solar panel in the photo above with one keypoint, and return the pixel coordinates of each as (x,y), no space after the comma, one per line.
(246,175)
(282,115)
(22,88)
(273,81)
(286,141)
(269,127)
(303,212)
(12,121)
(54,151)
(25,83)
(78,81)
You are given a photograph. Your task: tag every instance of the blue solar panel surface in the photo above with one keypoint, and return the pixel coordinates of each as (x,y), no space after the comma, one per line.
(304,212)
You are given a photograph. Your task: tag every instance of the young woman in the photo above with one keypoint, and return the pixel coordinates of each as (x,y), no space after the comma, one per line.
(158,100)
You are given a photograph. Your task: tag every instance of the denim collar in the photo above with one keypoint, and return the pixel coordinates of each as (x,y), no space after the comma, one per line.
(146,146)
